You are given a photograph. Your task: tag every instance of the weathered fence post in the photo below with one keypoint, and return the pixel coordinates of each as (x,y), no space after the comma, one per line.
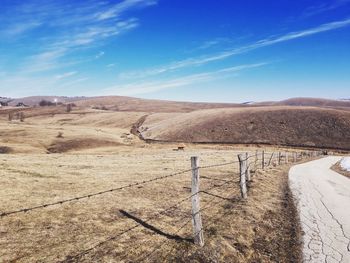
(242,176)
(279,158)
(287,157)
(269,163)
(263,160)
(247,167)
(196,215)
(295,157)
(256,160)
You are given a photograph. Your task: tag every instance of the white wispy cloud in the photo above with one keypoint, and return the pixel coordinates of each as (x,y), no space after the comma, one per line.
(216,42)
(122,7)
(100,54)
(19,29)
(197,61)
(72,83)
(324,7)
(86,31)
(149,87)
(92,34)
(66,75)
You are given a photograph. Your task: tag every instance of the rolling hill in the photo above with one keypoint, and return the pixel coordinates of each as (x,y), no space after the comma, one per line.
(278,125)
(122,103)
(302,122)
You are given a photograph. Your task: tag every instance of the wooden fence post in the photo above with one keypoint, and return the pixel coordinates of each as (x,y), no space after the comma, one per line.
(263,160)
(279,158)
(196,215)
(242,181)
(256,160)
(269,163)
(287,157)
(295,157)
(247,170)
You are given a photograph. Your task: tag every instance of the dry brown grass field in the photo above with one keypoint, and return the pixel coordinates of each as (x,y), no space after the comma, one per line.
(53,156)
(67,232)
(278,125)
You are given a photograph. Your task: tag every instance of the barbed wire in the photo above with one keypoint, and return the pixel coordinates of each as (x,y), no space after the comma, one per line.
(209,205)
(217,165)
(24,210)
(156,215)
(205,191)
(114,237)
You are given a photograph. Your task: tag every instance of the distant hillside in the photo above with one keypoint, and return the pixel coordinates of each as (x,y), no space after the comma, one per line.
(304,122)
(278,125)
(122,103)
(135,104)
(34,100)
(314,102)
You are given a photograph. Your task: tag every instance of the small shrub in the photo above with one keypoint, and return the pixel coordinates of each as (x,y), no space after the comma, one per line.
(4,149)
(44,103)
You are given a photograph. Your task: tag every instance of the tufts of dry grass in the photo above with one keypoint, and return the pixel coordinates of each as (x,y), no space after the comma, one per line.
(264,228)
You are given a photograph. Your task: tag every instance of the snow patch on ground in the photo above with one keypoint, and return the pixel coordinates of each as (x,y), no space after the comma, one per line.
(345,164)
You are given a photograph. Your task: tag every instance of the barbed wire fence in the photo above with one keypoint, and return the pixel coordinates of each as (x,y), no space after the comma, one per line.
(248,165)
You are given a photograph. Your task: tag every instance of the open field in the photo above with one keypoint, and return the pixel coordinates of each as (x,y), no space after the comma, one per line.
(54,156)
(68,231)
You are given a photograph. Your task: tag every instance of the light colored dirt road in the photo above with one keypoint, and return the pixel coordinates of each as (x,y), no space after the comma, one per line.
(323,198)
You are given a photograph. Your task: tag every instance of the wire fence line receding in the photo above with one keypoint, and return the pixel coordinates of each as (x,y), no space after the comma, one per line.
(247,164)
(87,196)
(24,210)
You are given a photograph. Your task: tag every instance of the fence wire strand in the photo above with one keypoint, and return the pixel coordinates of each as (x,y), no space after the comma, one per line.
(24,210)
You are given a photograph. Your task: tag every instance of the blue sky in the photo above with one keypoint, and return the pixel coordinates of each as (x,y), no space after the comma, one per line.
(224,50)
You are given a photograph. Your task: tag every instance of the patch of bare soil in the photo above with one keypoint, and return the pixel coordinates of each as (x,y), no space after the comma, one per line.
(265,228)
(62,146)
(135,127)
(337,168)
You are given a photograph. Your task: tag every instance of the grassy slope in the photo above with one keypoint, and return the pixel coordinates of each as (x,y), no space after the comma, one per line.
(177,121)
(279,125)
